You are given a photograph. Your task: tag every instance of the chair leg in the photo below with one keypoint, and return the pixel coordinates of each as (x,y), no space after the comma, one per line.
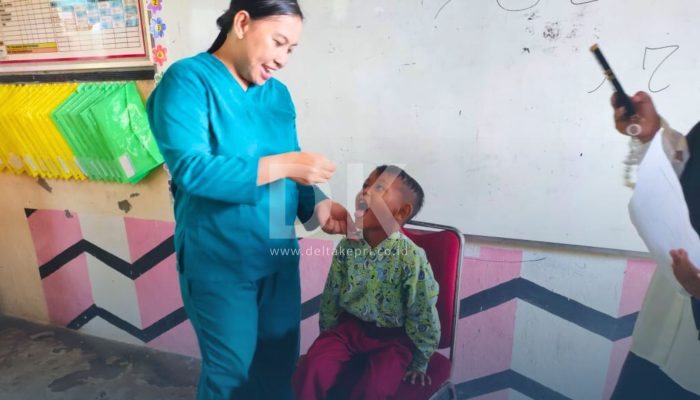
(447,388)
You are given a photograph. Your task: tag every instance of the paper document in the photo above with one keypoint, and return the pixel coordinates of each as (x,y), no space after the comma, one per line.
(659,212)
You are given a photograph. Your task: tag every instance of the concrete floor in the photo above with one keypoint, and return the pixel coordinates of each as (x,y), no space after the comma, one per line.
(40,362)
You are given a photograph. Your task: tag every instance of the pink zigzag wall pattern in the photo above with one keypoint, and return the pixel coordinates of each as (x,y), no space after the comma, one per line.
(69,292)
(486,342)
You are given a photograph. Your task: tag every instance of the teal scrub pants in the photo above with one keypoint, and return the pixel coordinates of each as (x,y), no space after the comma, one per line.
(248,334)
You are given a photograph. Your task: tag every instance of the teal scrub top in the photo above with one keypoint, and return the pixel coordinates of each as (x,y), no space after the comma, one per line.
(212,133)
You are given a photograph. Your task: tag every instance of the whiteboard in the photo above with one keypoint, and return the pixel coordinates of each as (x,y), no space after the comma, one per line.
(497,107)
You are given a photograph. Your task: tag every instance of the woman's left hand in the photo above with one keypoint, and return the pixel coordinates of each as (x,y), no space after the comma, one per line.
(685,272)
(335,219)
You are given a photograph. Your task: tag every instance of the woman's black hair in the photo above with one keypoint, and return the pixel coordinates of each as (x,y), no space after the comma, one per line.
(257,9)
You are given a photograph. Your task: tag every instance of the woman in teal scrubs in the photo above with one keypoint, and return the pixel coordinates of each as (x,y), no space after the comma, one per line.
(227,131)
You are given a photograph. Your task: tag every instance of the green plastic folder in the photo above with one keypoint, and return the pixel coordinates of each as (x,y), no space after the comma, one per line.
(107,128)
(122,121)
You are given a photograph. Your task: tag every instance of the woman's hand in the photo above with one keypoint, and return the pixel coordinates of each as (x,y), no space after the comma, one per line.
(685,272)
(301,167)
(413,376)
(310,168)
(335,219)
(646,116)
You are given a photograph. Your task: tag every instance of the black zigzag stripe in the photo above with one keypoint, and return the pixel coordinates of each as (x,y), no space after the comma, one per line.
(507,380)
(310,308)
(29,211)
(165,324)
(132,271)
(592,320)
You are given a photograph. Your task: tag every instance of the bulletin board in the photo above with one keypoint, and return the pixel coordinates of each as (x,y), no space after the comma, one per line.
(65,35)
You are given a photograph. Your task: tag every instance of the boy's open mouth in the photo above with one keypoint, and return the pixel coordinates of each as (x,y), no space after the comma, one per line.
(362,208)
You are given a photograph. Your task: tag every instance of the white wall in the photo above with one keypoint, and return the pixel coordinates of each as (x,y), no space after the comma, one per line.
(488,108)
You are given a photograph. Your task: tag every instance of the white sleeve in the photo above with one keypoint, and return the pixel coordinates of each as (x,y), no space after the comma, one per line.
(675,146)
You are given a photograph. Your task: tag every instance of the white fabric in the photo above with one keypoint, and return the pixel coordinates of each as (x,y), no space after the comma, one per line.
(665,332)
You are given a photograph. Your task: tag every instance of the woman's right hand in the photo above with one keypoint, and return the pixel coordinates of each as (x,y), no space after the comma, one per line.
(309,168)
(648,118)
(302,167)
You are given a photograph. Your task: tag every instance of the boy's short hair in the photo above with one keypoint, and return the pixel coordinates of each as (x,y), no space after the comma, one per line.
(409,183)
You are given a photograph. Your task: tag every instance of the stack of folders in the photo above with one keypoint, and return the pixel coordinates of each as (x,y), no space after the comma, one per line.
(97,131)
(30,142)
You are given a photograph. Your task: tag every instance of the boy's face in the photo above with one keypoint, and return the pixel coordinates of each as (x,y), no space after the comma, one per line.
(382,203)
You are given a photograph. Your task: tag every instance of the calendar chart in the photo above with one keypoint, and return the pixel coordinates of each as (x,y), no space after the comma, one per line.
(43,31)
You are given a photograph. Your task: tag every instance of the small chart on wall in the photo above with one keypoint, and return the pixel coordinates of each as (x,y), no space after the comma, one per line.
(72,34)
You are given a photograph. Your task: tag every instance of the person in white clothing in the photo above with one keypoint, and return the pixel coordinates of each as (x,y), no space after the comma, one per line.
(664,360)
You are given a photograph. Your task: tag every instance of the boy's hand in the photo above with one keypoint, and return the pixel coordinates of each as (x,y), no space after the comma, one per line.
(685,272)
(413,376)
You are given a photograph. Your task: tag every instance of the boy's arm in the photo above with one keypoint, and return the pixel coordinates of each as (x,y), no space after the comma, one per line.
(422,319)
(330,298)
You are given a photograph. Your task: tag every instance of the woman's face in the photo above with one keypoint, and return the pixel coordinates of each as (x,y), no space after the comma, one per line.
(266,46)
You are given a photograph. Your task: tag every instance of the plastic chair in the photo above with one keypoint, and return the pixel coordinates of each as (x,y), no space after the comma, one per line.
(444,247)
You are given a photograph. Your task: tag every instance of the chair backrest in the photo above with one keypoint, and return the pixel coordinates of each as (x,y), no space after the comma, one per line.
(443,246)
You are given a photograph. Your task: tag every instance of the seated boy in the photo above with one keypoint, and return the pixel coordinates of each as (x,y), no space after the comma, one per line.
(379,299)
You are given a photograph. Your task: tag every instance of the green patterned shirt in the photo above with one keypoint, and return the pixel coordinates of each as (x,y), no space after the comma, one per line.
(391,285)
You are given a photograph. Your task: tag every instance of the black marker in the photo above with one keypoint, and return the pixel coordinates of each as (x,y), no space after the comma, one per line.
(622,97)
